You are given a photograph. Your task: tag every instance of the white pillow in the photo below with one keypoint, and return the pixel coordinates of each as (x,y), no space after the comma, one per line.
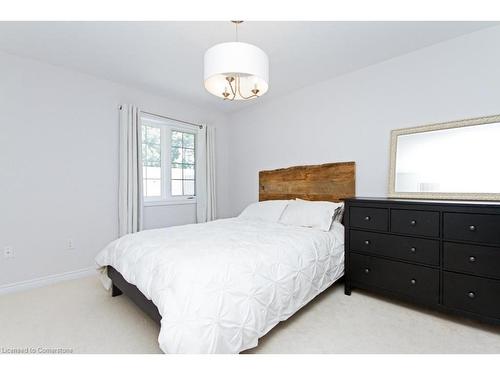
(310,214)
(264,211)
(339,211)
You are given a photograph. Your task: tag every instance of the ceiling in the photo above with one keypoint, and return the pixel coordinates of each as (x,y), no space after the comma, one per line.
(166,58)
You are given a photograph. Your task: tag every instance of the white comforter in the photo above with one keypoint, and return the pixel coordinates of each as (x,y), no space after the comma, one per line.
(220,286)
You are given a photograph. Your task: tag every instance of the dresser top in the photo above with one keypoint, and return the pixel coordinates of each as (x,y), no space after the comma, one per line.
(424,201)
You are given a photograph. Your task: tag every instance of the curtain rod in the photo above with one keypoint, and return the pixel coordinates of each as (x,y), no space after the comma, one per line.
(173,119)
(170,118)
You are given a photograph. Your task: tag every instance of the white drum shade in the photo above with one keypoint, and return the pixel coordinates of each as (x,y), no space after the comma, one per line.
(236,59)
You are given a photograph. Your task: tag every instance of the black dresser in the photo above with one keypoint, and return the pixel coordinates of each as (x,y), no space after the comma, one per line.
(440,254)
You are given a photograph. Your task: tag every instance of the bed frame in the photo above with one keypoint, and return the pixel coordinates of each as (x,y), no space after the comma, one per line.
(121,286)
(326,182)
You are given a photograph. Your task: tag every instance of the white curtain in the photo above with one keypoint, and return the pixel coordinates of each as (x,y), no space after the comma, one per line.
(205,185)
(130,204)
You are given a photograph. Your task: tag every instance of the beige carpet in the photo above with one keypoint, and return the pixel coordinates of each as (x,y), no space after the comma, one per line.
(80,315)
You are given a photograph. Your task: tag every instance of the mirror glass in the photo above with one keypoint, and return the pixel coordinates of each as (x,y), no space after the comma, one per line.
(464,159)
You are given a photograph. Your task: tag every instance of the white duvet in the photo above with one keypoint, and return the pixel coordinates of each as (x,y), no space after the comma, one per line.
(220,286)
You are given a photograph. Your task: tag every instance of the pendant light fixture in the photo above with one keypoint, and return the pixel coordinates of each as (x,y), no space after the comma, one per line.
(236,70)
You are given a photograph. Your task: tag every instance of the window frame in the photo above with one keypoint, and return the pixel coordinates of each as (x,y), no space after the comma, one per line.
(166,127)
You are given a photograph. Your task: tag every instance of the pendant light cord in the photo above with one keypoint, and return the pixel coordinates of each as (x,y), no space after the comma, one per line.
(236,24)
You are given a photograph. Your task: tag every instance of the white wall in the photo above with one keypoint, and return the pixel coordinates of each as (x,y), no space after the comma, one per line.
(59,166)
(350,117)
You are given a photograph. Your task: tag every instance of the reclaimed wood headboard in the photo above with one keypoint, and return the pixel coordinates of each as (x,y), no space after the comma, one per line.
(325,182)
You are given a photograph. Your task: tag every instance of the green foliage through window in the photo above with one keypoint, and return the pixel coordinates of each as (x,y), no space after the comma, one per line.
(182,157)
(151,161)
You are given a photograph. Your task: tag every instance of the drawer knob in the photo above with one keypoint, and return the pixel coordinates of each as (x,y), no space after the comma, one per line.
(367,218)
(367,270)
(413,250)
(413,223)
(472,259)
(413,281)
(471,295)
(367,242)
(472,228)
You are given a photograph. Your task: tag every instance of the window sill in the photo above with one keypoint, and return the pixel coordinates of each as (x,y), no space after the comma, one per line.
(169,203)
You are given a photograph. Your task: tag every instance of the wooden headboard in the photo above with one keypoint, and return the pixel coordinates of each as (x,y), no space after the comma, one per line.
(325,182)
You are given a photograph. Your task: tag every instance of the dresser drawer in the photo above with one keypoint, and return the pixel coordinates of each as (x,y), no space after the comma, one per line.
(405,248)
(476,260)
(471,293)
(472,227)
(369,218)
(422,223)
(418,282)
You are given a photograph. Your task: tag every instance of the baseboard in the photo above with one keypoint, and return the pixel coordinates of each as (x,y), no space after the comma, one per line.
(46,280)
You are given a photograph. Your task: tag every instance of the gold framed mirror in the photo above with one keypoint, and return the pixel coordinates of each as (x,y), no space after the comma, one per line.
(451,160)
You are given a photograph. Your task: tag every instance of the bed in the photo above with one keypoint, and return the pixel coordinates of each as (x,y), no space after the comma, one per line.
(218,287)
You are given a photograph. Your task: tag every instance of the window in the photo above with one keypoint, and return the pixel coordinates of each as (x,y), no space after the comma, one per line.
(182,163)
(169,161)
(151,161)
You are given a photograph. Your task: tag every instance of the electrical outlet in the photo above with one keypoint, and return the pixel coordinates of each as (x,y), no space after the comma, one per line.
(8,252)
(70,245)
